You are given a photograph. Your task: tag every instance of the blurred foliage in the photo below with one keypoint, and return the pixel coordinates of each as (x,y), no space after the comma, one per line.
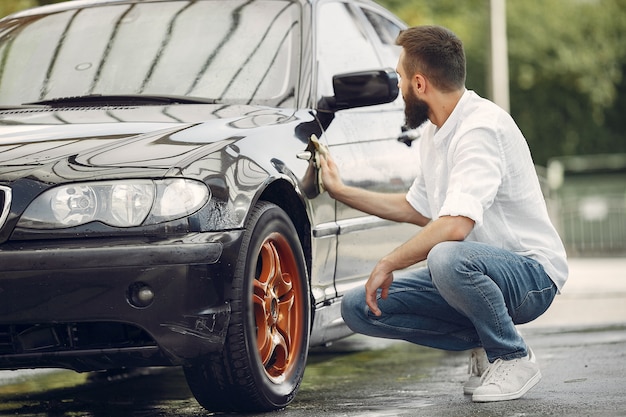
(566,65)
(10,6)
(567,62)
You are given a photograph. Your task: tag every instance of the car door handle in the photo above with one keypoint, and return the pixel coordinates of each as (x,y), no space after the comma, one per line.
(408,136)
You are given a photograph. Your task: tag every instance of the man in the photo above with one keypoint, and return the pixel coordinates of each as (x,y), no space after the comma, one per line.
(494,259)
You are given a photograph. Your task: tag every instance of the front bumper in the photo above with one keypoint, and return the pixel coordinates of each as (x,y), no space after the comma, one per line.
(73,304)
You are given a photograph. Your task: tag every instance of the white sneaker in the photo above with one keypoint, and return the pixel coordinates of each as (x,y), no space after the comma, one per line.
(478,365)
(508,380)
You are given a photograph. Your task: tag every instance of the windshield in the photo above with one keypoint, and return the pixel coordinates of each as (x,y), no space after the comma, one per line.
(227,51)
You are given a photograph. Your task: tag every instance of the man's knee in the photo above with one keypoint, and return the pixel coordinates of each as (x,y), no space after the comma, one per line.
(443,260)
(443,252)
(443,255)
(353,308)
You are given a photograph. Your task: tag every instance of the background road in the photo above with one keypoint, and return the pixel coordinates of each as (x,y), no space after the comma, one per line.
(580,344)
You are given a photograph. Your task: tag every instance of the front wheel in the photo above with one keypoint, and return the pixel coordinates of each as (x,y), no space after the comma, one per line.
(266,348)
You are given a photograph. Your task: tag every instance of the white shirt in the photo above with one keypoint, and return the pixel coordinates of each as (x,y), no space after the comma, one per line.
(478,165)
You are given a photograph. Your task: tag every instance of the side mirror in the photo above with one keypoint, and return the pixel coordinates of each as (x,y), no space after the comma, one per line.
(364,88)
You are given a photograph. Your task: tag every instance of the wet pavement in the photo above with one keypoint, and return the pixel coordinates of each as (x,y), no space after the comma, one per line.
(580,344)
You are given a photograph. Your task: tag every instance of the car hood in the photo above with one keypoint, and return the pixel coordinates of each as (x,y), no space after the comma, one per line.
(109,142)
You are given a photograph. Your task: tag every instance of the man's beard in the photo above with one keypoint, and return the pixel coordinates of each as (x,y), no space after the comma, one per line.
(415,110)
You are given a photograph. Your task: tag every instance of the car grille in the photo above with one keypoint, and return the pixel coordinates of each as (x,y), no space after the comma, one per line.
(63,337)
(5,204)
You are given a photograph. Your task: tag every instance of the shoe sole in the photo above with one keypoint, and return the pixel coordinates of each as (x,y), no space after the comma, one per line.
(470,387)
(484,398)
(469,391)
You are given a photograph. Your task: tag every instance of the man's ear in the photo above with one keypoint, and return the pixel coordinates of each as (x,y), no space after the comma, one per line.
(419,82)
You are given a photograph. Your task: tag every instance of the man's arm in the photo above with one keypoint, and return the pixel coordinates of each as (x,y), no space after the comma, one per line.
(387,206)
(394,207)
(416,249)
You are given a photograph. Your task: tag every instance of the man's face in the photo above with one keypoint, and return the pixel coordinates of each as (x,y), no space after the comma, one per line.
(415,110)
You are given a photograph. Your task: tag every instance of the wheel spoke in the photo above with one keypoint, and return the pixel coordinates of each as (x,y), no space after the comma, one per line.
(266,303)
(270,262)
(283,284)
(285,322)
(280,358)
(264,333)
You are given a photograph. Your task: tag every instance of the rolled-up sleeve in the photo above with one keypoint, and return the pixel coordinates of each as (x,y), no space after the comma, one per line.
(463,204)
(417,197)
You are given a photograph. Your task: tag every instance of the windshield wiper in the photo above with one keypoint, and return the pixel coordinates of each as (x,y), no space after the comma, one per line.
(121,100)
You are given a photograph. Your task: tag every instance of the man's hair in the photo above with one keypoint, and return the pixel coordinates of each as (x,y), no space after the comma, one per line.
(437,53)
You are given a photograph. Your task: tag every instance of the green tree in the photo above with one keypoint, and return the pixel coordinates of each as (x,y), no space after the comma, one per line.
(567,62)
(12,6)
(566,65)
(468,19)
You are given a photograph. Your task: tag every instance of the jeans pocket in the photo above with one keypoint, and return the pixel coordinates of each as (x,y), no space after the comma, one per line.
(534,304)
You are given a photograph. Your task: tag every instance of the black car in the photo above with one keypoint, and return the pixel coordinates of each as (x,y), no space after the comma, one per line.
(160,202)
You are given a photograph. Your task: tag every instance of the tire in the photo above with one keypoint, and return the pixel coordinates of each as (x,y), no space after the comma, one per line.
(264,357)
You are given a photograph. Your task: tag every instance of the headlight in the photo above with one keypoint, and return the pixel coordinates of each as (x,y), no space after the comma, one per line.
(116,203)
(176,198)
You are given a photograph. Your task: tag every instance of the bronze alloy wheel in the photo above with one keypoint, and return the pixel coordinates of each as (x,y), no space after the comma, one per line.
(277,312)
(267,343)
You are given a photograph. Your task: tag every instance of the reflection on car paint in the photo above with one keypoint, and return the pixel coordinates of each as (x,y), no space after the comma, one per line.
(98,95)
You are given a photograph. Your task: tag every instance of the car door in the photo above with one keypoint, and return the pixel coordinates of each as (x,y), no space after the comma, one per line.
(363,141)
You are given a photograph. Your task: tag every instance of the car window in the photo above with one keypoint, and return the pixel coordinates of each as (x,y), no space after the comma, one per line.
(387,32)
(235,51)
(343,45)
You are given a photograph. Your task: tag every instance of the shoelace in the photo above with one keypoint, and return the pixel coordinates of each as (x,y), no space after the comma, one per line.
(472,368)
(492,375)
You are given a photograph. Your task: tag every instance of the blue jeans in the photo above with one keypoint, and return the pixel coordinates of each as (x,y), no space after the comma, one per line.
(470,295)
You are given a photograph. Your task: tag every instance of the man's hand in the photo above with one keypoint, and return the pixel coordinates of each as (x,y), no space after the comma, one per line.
(380,278)
(445,228)
(330,174)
